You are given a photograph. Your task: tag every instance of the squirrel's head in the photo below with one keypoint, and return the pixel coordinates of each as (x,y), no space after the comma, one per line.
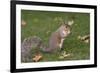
(65,29)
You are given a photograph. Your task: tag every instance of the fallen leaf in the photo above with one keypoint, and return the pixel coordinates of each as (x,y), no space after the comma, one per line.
(23,23)
(61,57)
(37,58)
(64,55)
(85,38)
(86,41)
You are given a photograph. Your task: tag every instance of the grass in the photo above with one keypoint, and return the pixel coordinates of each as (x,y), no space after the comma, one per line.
(43,23)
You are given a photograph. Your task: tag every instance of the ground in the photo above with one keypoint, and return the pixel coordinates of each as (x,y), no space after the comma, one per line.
(43,23)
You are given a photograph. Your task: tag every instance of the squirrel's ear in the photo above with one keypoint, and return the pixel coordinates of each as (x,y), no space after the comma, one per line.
(61,22)
(71,22)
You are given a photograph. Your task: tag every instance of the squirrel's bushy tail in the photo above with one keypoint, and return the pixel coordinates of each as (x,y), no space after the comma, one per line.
(29,43)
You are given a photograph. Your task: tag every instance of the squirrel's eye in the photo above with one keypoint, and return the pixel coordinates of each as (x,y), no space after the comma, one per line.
(66,26)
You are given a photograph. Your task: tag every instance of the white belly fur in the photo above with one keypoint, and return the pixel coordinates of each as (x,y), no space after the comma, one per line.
(60,45)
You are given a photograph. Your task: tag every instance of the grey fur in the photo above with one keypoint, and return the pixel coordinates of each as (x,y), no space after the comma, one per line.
(54,42)
(28,44)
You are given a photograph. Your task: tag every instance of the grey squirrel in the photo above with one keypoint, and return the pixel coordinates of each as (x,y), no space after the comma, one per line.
(55,41)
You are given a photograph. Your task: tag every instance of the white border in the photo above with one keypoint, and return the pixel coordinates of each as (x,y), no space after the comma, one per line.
(20,65)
